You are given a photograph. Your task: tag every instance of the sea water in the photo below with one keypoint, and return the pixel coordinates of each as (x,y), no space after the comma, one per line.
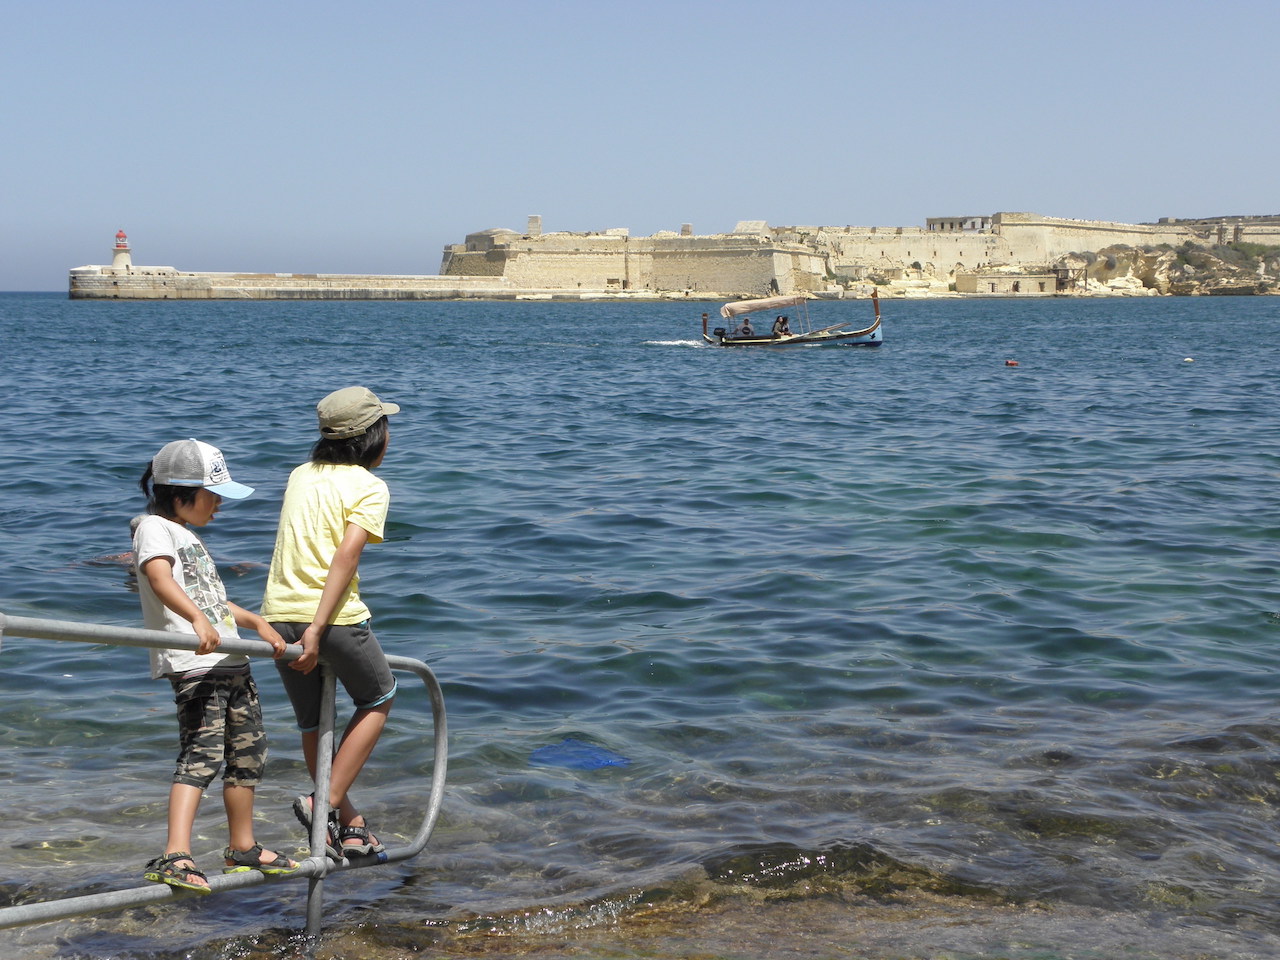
(893,652)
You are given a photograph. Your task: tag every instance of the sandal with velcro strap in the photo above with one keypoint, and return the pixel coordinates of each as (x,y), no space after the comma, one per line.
(367,844)
(166,870)
(302,810)
(251,859)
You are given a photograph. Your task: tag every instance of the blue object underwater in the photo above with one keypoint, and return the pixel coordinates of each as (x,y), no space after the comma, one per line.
(576,755)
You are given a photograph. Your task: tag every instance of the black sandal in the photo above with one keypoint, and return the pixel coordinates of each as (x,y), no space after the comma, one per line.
(165,870)
(251,859)
(368,844)
(302,810)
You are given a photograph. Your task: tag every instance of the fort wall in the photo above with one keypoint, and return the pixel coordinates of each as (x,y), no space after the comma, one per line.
(1032,238)
(616,262)
(1267,234)
(754,260)
(887,248)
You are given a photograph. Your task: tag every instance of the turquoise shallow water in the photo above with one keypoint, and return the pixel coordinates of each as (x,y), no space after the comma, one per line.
(872,627)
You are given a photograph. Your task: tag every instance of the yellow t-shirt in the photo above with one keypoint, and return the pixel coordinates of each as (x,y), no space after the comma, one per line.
(319,502)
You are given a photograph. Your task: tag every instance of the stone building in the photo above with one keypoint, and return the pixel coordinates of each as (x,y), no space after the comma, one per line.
(752,259)
(957,224)
(992,283)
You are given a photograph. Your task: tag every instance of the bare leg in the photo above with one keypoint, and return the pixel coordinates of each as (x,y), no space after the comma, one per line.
(184,801)
(238,801)
(358,741)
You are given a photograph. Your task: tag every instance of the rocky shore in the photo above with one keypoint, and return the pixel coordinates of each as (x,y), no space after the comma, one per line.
(1236,269)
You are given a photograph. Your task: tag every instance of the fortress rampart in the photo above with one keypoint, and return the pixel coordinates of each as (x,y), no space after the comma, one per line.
(1035,239)
(754,260)
(757,259)
(883,249)
(615,262)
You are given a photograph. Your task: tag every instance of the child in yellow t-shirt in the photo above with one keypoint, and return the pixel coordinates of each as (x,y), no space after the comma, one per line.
(333,506)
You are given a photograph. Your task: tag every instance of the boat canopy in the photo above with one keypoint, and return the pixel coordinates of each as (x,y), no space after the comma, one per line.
(739,307)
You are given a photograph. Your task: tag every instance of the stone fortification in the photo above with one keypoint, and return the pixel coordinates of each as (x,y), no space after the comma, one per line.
(898,253)
(1005,253)
(1032,238)
(615,262)
(1264,230)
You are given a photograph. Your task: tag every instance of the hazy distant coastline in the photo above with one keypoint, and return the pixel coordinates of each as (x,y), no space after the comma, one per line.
(1004,254)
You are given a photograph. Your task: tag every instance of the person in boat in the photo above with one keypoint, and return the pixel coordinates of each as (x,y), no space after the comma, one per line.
(746,330)
(781,327)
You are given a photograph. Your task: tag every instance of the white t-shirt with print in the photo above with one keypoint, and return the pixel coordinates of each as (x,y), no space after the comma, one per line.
(196,574)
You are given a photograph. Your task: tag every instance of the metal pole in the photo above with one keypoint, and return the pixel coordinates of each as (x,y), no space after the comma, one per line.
(316,867)
(320,800)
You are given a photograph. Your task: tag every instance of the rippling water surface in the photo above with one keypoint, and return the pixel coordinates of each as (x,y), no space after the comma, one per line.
(908,651)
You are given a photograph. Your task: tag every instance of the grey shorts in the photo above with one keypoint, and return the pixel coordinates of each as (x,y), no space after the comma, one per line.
(219,719)
(356,659)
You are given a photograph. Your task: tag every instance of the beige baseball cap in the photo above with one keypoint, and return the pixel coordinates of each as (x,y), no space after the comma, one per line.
(351,411)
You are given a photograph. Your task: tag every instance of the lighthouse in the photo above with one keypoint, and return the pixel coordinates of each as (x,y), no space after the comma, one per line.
(121,256)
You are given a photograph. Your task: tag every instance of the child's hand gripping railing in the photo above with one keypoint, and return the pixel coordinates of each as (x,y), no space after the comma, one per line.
(318,865)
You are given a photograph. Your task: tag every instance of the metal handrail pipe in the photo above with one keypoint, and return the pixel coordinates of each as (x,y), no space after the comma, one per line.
(36,628)
(42,629)
(316,867)
(44,911)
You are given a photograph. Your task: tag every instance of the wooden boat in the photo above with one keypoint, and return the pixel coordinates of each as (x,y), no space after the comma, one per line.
(740,334)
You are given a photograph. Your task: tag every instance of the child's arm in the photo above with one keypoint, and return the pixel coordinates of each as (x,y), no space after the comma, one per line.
(159,573)
(343,567)
(252,621)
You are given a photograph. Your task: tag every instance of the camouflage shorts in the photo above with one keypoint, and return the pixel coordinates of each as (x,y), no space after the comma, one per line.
(219,719)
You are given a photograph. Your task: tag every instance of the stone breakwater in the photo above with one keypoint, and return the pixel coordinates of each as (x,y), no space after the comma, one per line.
(166,283)
(160,283)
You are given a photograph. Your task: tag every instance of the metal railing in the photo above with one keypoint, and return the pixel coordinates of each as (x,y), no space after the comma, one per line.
(316,867)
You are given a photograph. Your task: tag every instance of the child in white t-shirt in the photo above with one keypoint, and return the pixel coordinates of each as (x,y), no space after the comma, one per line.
(219,716)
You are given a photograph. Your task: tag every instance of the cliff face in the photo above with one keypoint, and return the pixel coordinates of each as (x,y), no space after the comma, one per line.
(1188,270)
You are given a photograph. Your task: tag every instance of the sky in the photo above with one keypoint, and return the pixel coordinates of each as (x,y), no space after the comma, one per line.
(316,137)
